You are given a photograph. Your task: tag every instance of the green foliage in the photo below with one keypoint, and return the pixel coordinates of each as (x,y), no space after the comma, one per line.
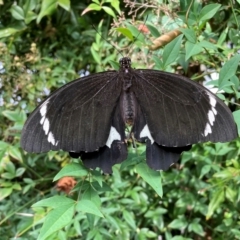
(44,45)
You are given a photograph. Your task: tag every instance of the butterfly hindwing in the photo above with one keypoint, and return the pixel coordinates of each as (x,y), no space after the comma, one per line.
(158,157)
(115,150)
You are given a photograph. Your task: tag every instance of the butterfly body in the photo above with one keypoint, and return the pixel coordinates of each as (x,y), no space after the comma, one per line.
(87,117)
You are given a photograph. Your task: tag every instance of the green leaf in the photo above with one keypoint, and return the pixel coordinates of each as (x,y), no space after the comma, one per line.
(6,32)
(222,37)
(72,170)
(171,51)
(109,11)
(64,4)
(216,200)
(91,195)
(196,227)
(88,207)
(8,175)
(230,194)
(20,172)
(56,219)
(114,64)
(17,12)
(153,30)
(153,178)
(5,192)
(208,11)
(192,49)
(30,16)
(54,202)
(228,70)
(205,169)
(3,145)
(129,218)
(115,4)
(189,34)
(13,115)
(92,7)
(178,224)
(15,152)
(95,55)
(10,167)
(47,8)
(207,45)
(236,115)
(126,32)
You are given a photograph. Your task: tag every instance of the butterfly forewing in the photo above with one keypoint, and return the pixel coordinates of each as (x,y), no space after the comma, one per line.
(76,117)
(180,112)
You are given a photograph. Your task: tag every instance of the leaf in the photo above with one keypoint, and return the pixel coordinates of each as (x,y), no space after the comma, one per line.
(15,152)
(115,4)
(228,70)
(17,12)
(109,11)
(205,169)
(72,170)
(236,116)
(56,219)
(91,195)
(95,55)
(54,202)
(128,216)
(114,64)
(64,4)
(5,192)
(88,207)
(91,7)
(153,178)
(30,16)
(192,49)
(171,51)
(47,8)
(6,32)
(126,32)
(153,30)
(196,227)
(13,115)
(222,37)
(216,199)
(208,11)
(207,45)
(189,34)
(178,224)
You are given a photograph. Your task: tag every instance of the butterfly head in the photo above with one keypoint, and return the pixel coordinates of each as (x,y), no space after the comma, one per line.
(125,64)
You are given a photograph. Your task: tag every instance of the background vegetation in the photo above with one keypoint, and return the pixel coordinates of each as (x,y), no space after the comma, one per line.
(47,43)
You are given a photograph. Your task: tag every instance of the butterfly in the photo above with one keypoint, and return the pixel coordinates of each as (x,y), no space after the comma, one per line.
(87,117)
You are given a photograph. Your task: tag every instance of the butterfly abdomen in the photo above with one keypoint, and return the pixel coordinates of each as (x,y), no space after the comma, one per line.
(128,107)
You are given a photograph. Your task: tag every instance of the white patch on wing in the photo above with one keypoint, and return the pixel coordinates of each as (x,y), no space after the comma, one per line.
(207,130)
(211,114)
(146,133)
(51,138)
(211,117)
(46,124)
(43,109)
(113,135)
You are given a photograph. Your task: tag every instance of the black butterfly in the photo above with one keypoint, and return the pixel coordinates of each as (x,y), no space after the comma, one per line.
(87,117)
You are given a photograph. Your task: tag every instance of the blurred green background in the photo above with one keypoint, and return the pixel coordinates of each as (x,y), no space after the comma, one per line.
(46,43)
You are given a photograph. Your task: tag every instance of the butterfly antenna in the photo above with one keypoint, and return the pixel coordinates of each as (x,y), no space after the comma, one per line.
(106,40)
